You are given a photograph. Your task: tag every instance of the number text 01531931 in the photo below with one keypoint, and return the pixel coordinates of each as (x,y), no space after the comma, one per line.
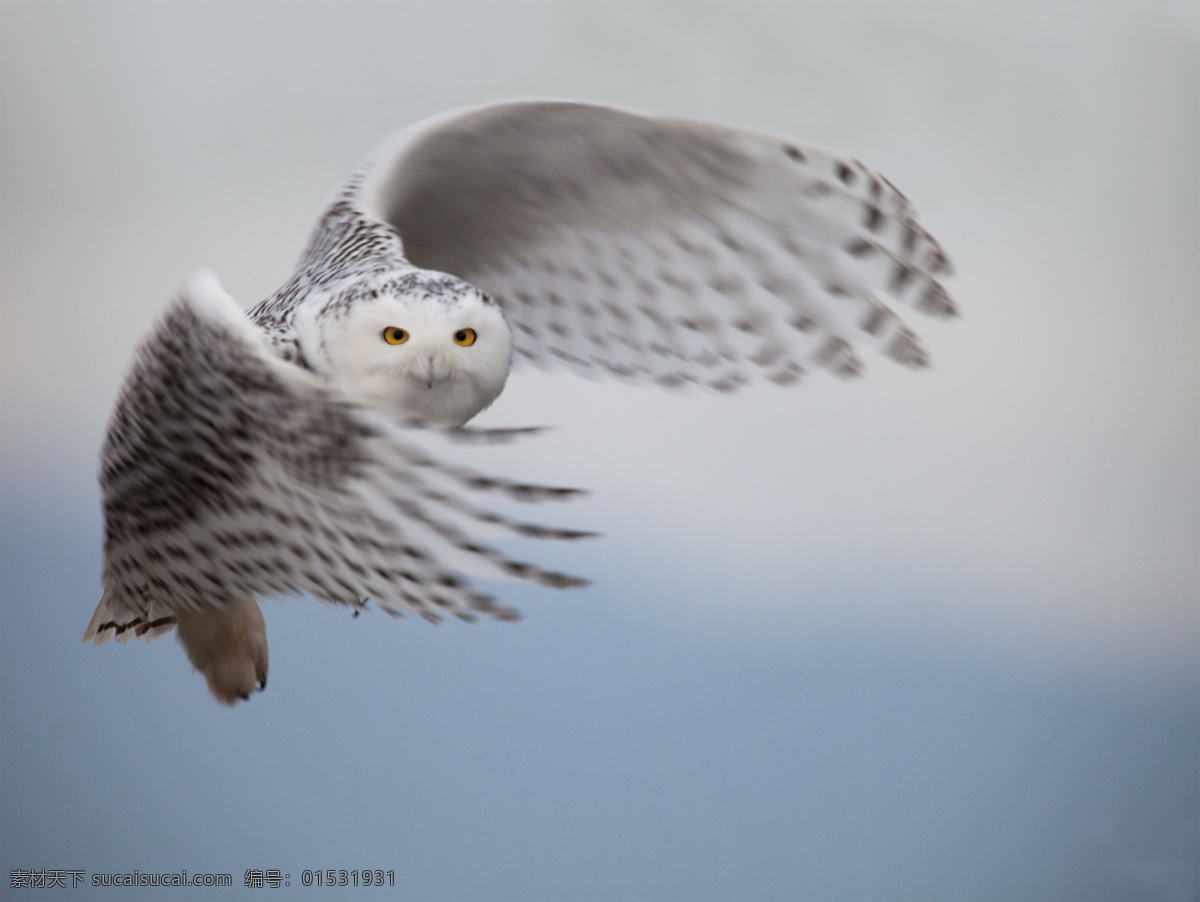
(334,877)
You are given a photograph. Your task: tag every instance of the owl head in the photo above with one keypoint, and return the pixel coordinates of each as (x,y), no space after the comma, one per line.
(423,346)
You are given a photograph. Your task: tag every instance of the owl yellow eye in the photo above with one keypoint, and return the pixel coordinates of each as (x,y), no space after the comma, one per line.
(395,336)
(464,337)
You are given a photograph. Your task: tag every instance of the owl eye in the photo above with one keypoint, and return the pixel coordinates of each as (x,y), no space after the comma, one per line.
(394,335)
(464,337)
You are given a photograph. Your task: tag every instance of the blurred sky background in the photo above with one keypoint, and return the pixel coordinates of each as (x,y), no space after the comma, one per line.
(914,636)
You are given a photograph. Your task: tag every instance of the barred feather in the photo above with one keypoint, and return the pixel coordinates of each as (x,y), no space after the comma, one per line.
(263,454)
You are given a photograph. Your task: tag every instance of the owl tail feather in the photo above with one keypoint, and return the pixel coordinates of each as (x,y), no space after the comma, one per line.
(228,644)
(114,621)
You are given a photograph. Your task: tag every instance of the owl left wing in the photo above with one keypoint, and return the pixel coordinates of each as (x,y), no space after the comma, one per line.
(227,472)
(657,249)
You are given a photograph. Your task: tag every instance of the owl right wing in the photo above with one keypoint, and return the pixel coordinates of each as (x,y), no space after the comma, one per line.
(658,250)
(228,472)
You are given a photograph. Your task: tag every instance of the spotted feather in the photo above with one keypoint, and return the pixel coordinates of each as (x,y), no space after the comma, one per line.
(295,448)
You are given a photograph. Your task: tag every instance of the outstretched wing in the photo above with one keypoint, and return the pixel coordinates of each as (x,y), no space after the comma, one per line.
(660,249)
(227,472)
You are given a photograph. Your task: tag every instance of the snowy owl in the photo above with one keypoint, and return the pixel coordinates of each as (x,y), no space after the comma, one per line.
(292,449)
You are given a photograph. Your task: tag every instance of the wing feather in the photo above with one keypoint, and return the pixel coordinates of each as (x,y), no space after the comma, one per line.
(661,249)
(228,472)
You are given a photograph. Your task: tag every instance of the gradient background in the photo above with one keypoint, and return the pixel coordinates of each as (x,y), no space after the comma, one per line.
(914,636)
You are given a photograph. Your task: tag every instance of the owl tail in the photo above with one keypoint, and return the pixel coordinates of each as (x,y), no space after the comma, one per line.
(114,620)
(228,644)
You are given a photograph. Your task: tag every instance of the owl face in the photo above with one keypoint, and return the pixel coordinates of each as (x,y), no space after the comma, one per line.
(436,358)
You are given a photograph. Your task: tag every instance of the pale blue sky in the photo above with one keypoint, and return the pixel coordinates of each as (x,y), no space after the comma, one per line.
(928,636)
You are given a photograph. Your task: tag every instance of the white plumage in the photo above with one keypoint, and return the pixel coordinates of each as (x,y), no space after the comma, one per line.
(292,449)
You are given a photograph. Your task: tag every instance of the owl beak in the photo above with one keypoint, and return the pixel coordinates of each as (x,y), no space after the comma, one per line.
(431,373)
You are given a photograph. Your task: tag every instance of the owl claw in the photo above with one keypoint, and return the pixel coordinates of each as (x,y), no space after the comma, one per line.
(228,644)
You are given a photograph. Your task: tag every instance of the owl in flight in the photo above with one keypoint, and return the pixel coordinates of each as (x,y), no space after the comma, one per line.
(293,448)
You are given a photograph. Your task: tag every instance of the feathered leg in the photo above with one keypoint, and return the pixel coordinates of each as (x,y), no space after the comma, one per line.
(227,644)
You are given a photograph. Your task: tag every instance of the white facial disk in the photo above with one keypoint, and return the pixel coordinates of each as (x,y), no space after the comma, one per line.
(427,347)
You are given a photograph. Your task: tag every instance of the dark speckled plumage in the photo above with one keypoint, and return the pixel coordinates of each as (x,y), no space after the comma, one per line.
(653,250)
(225,473)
